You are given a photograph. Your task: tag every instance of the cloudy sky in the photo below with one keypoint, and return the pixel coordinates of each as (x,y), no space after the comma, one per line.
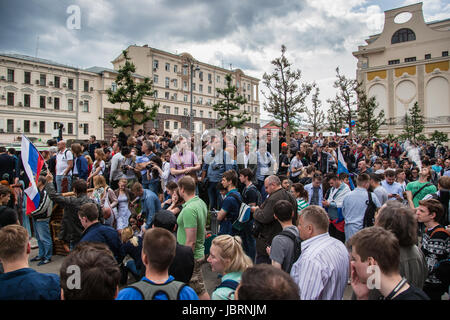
(319,34)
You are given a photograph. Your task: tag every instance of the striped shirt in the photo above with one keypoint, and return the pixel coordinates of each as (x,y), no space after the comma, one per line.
(322,270)
(301,204)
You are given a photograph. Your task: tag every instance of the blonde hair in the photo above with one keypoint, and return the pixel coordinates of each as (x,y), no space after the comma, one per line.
(89,159)
(99,181)
(230,248)
(99,152)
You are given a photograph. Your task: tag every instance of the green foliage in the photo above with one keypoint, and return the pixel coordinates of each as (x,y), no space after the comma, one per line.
(286,95)
(439,138)
(414,124)
(368,122)
(347,95)
(131,93)
(231,101)
(334,116)
(315,117)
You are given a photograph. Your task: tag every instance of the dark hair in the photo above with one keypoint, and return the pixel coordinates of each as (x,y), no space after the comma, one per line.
(2,149)
(80,186)
(159,246)
(231,175)
(434,206)
(247,172)
(12,151)
(265,282)
(99,271)
(4,190)
(376,177)
(125,150)
(389,173)
(400,220)
(89,210)
(362,178)
(380,244)
(299,188)
(283,177)
(283,210)
(171,185)
(165,219)
(343,175)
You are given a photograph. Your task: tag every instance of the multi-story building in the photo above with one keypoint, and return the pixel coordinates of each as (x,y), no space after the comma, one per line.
(37,94)
(171,78)
(408,62)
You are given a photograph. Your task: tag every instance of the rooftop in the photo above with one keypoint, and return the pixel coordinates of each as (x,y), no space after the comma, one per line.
(37,60)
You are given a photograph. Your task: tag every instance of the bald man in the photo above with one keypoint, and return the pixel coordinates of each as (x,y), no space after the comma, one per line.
(267,226)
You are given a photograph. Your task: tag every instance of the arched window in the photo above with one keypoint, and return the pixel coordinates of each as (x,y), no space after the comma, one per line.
(403,35)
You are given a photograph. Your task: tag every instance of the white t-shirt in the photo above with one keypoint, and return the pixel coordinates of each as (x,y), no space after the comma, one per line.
(61,162)
(102,166)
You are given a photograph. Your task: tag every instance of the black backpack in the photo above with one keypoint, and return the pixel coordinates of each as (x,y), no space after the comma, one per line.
(297,247)
(369,215)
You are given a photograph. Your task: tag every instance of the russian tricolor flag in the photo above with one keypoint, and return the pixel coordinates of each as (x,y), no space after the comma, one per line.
(342,167)
(32,162)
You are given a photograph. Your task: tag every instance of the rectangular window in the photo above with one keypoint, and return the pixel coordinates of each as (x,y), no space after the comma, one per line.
(209,102)
(10,98)
(41,126)
(70,128)
(185,71)
(185,111)
(155,64)
(185,98)
(200,100)
(156,94)
(185,87)
(70,84)
(156,124)
(175,68)
(397,61)
(194,112)
(445,53)
(27,77)
(167,109)
(42,102)
(167,66)
(175,83)
(200,75)
(57,82)
(176,111)
(26,126)
(210,114)
(10,125)
(175,125)
(167,82)
(201,113)
(85,106)
(55,125)
(248,87)
(248,97)
(56,104)
(410,59)
(174,97)
(193,87)
(27,100)
(166,95)
(155,78)
(209,89)
(218,79)
(427,56)
(70,104)
(167,124)
(10,75)
(86,128)
(42,80)
(86,86)
(200,88)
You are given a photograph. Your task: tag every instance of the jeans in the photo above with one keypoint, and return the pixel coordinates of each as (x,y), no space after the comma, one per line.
(213,195)
(131,266)
(44,238)
(59,181)
(262,189)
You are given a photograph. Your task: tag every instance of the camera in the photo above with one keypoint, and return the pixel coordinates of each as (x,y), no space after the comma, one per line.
(124,167)
(149,166)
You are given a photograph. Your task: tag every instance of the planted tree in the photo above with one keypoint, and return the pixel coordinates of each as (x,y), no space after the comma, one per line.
(414,124)
(369,122)
(439,138)
(132,94)
(334,116)
(228,103)
(315,116)
(286,94)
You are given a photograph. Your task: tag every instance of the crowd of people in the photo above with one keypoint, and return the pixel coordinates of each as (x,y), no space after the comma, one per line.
(143,213)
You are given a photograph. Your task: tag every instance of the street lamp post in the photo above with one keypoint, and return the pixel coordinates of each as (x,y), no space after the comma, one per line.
(191,65)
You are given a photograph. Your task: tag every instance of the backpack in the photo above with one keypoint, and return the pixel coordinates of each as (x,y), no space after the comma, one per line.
(369,214)
(442,267)
(259,197)
(230,284)
(244,213)
(297,247)
(149,290)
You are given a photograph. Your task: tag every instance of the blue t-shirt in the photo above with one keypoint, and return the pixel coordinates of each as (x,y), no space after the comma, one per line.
(231,206)
(28,284)
(187,293)
(142,159)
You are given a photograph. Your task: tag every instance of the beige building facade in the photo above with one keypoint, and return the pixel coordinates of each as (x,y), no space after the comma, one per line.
(38,94)
(171,78)
(408,62)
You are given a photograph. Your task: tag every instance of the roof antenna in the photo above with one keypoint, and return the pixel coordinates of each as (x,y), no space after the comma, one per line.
(37,46)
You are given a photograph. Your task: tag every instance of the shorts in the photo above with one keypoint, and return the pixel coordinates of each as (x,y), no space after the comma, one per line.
(197,282)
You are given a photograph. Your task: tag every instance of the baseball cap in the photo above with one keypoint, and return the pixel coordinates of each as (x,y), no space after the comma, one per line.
(165,219)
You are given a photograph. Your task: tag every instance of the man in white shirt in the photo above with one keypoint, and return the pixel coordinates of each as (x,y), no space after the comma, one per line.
(394,189)
(296,167)
(116,172)
(64,165)
(322,270)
